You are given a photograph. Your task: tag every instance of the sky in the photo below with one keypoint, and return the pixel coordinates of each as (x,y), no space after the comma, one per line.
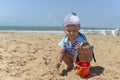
(92,13)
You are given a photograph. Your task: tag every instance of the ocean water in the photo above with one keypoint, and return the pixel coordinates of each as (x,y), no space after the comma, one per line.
(43,28)
(30,28)
(56,30)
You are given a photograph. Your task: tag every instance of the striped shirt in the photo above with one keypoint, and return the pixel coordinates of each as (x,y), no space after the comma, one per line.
(64,43)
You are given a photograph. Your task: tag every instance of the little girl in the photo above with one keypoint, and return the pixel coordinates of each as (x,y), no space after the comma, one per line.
(71,43)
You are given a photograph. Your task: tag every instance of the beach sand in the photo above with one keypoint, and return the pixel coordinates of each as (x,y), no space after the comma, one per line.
(32,57)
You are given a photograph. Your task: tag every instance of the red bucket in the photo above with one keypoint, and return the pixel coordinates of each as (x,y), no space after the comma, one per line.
(83,68)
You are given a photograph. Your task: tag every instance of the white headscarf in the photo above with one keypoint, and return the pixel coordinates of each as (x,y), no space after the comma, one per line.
(71,19)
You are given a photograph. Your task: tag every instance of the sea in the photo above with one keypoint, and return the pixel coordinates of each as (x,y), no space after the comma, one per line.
(58,30)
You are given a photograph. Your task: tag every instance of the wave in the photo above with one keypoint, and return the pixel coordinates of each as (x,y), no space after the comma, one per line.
(113,32)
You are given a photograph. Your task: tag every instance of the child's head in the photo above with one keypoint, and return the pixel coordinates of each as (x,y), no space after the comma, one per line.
(71,19)
(71,25)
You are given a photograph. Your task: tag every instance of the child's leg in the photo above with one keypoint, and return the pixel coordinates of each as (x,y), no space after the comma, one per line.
(85,57)
(68,59)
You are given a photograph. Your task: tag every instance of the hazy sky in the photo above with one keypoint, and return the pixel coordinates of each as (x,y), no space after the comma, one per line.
(92,13)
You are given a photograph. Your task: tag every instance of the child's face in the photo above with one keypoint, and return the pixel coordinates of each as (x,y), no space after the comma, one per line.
(71,31)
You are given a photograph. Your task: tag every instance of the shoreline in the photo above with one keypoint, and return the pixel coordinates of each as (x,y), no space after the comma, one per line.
(86,32)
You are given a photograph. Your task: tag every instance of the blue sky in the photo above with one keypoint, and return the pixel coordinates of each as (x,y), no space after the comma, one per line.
(92,13)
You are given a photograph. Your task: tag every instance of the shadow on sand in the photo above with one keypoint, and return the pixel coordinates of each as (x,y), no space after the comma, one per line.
(95,71)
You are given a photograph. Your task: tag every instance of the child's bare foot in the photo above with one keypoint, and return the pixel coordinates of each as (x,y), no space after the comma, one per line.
(65,71)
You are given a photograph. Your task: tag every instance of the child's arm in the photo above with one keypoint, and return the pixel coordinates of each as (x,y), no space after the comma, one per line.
(85,51)
(59,57)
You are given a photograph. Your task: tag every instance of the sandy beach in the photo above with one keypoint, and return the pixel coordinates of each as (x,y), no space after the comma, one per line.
(32,57)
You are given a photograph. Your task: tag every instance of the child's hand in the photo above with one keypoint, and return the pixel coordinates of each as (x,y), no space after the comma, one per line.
(56,71)
(84,48)
(58,65)
(78,47)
